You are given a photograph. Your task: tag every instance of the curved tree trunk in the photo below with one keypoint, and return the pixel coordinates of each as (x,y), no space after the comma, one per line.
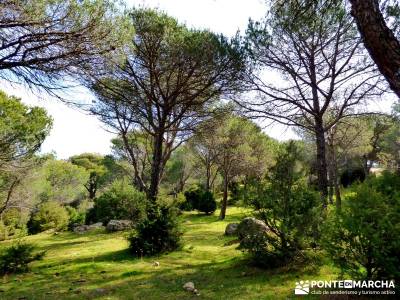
(379,40)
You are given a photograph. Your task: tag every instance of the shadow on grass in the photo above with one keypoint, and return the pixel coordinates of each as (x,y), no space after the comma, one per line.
(228,279)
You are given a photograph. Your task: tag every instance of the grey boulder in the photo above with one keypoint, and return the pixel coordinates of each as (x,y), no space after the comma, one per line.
(231,229)
(119,225)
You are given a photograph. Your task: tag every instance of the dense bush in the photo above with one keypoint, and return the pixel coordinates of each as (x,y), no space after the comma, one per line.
(49,215)
(156,234)
(207,203)
(120,201)
(348,177)
(192,196)
(199,199)
(13,224)
(363,238)
(288,208)
(75,216)
(16,258)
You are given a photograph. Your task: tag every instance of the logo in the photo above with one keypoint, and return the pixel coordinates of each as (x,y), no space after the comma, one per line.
(302,288)
(348,284)
(345,287)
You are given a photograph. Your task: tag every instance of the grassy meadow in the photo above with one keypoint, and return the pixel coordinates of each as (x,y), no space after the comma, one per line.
(97,265)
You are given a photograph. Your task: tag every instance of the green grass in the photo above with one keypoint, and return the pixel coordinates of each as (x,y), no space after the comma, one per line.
(97,265)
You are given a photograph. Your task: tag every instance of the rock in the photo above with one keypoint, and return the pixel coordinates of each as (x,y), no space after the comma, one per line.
(231,229)
(189,286)
(250,227)
(78,228)
(96,225)
(119,225)
(100,291)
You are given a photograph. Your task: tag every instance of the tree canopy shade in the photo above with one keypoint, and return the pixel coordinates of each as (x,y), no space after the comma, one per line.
(379,39)
(325,71)
(167,84)
(44,40)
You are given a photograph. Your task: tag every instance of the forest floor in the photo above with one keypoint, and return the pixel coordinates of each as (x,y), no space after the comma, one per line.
(97,265)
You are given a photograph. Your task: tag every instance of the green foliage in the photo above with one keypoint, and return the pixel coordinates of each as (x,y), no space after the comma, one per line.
(178,169)
(157,234)
(349,177)
(22,128)
(95,165)
(17,257)
(288,208)
(363,238)
(120,201)
(192,197)
(50,215)
(199,199)
(61,181)
(207,203)
(75,216)
(13,224)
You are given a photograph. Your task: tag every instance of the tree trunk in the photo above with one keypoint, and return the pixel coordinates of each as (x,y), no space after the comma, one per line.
(92,193)
(208,175)
(335,180)
(9,194)
(379,40)
(331,184)
(225,198)
(156,166)
(322,169)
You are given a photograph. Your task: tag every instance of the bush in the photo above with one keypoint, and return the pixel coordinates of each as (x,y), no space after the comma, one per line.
(192,197)
(17,258)
(120,201)
(363,238)
(75,216)
(348,177)
(157,234)
(50,215)
(199,199)
(288,208)
(13,224)
(206,203)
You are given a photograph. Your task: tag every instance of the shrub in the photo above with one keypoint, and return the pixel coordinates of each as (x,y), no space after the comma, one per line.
(75,216)
(157,234)
(288,208)
(206,203)
(13,224)
(199,199)
(363,238)
(17,258)
(120,201)
(192,198)
(50,215)
(348,177)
